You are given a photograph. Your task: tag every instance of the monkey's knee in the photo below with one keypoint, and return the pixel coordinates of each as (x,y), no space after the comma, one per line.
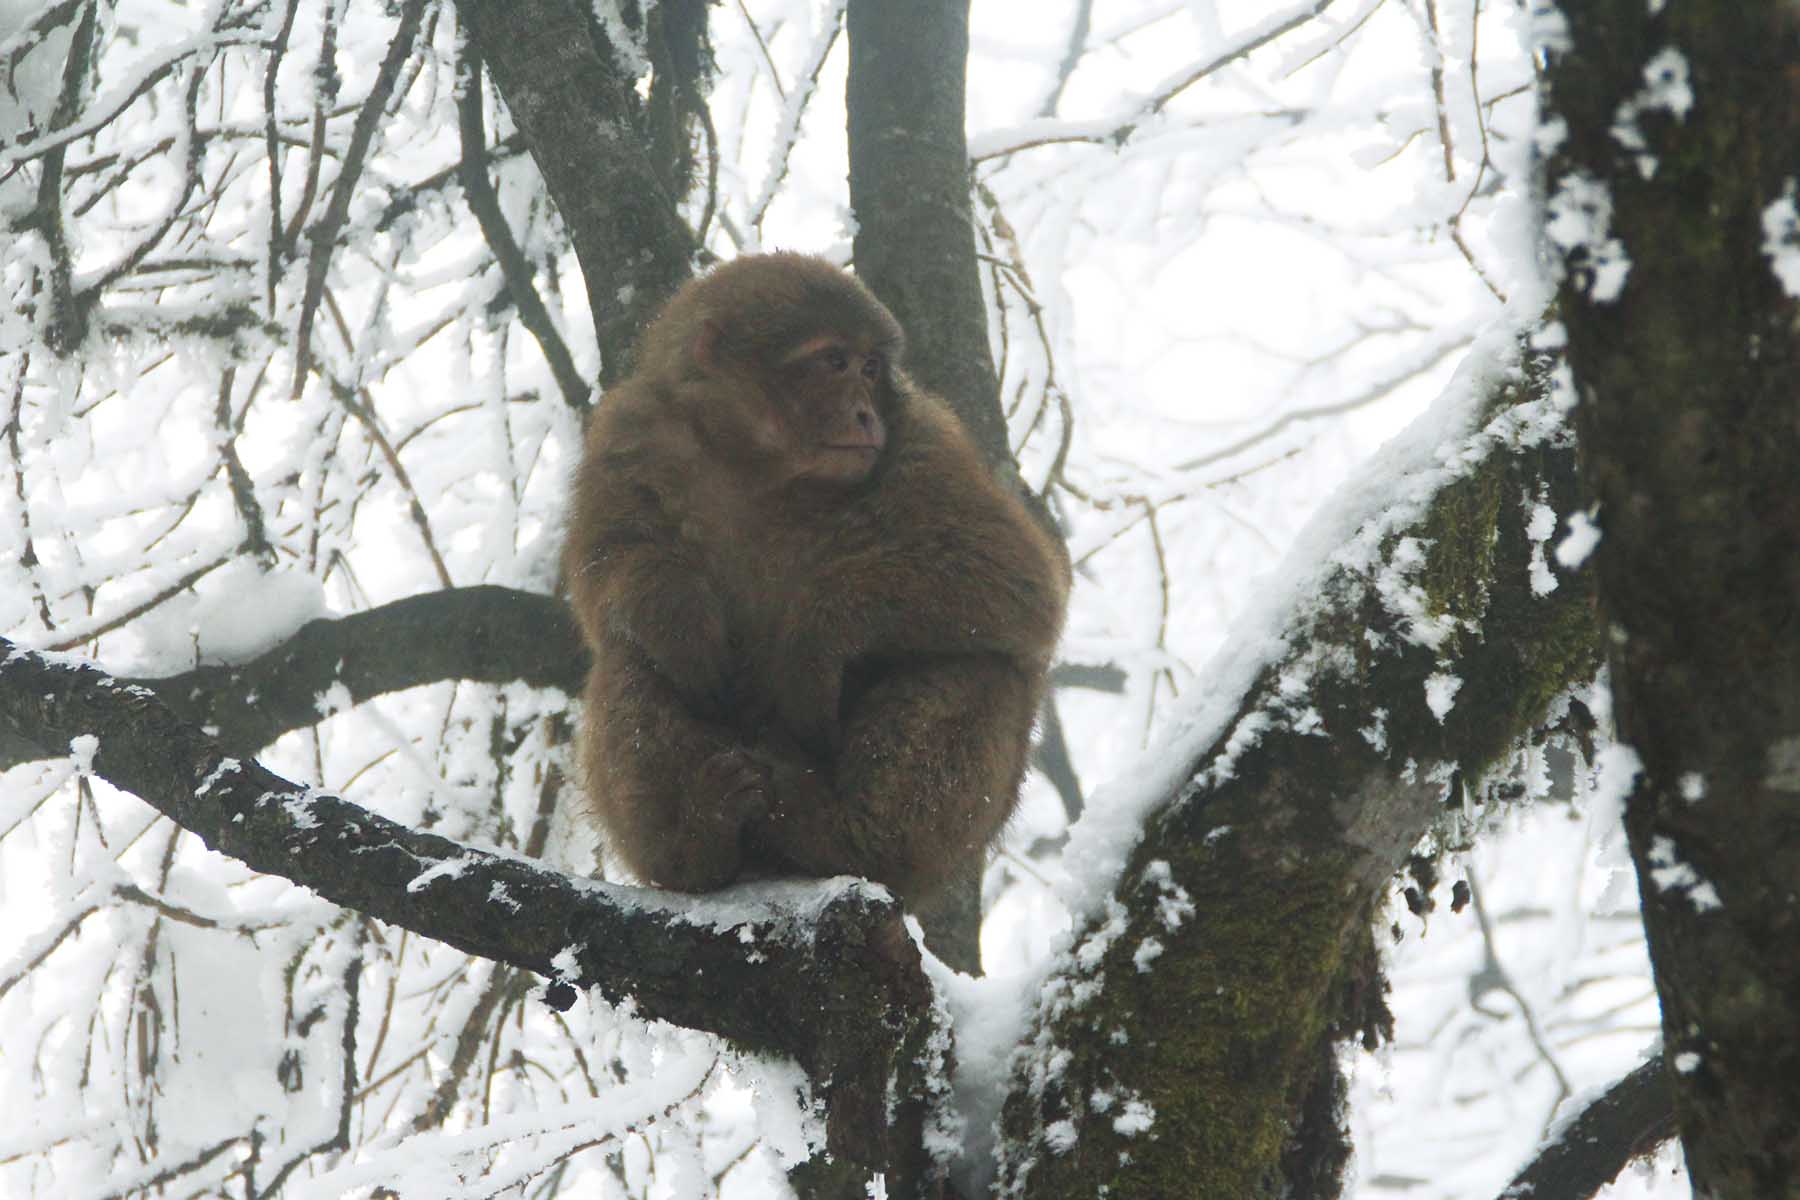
(675,818)
(664,847)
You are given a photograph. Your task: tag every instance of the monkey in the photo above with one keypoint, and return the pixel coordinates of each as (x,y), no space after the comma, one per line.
(820,626)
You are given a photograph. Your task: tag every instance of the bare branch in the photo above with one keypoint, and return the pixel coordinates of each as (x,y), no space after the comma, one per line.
(478,190)
(794,113)
(576,111)
(324,235)
(1633,1118)
(90,631)
(1072,56)
(1118,128)
(1428,356)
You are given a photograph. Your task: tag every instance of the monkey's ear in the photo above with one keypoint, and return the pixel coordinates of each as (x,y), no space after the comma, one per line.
(706,349)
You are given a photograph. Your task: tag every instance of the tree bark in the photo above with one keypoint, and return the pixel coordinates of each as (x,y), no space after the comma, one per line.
(915,248)
(1633,1118)
(910,192)
(1682,140)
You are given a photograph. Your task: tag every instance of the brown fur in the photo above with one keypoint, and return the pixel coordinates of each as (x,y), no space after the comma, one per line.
(806,660)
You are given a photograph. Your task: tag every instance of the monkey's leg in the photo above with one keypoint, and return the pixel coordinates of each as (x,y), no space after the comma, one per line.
(928,773)
(670,791)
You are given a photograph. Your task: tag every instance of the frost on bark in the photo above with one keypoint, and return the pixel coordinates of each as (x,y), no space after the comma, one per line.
(1671,194)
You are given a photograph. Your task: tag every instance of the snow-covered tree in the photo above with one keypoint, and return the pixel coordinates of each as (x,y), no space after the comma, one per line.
(1413,381)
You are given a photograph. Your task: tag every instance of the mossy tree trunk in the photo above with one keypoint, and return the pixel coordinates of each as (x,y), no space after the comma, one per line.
(1182,1049)
(1673,196)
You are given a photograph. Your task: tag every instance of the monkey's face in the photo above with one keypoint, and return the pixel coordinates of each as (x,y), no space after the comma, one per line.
(829,392)
(786,367)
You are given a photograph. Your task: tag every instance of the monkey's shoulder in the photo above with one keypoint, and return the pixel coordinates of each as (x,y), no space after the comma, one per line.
(938,477)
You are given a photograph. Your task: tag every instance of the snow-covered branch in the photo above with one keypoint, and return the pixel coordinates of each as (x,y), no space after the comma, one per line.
(1410,647)
(823,972)
(1588,1151)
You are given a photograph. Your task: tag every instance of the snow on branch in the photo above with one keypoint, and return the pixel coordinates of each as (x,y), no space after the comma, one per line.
(1587,1152)
(484,634)
(822,971)
(1116,129)
(572,101)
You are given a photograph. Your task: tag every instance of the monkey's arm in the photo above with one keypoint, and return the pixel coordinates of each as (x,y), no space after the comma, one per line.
(952,565)
(928,774)
(650,595)
(671,790)
(629,573)
(960,565)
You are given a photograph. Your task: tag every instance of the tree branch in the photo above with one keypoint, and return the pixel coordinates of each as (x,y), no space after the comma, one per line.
(1117,129)
(824,972)
(515,269)
(1634,1117)
(576,111)
(324,235)
(482,634)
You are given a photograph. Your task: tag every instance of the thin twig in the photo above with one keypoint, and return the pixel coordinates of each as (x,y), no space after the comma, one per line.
(1496,973)
(1368,395)
(1073,53)
(15,425)
(1435,47)
(337,210)
(795,110)
(89,633)
(243,491)
(359,404)
(515,269)
(272,146)
(774,71)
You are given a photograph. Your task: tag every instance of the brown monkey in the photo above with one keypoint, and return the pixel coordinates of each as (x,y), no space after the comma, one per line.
(820,627)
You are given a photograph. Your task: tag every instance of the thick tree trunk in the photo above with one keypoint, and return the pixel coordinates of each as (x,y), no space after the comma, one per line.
(915,248)
(1667,196)
(575,108)
(1178,1047)
(909,189)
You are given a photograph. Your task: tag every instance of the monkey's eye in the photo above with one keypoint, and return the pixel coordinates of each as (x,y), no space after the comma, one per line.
(836,359)
(871,368)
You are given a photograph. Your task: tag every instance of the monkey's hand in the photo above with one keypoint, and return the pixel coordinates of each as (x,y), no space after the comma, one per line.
(794,836)
(734,789)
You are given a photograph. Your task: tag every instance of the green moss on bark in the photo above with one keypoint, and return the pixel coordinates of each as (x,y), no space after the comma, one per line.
(1460,559)
(1254,965)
